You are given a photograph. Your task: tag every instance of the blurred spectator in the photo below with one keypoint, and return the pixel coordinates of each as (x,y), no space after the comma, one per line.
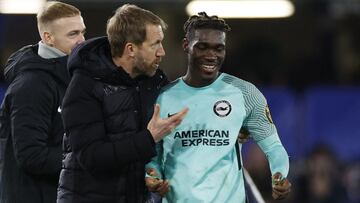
(320,178)
(352,183)
(320,182)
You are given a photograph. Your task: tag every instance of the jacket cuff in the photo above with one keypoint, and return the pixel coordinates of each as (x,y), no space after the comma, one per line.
(145,144)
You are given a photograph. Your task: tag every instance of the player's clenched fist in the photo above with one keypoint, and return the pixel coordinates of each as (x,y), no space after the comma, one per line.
(281,187)
(155,184)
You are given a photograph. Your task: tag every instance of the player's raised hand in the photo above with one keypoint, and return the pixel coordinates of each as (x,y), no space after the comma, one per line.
(281,187)
(155,184)
(159,127)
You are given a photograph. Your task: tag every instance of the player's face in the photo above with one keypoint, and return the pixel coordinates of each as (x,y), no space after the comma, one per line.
(66,33)
(150,52)
(206,53)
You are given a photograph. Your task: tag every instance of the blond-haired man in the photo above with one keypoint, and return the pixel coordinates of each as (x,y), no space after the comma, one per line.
(31,128)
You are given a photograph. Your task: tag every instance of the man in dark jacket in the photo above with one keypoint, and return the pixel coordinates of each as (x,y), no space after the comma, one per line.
(107,108)
(31,128)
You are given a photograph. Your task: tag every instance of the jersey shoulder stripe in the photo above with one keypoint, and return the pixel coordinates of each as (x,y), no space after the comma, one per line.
(255,107)
(252,96)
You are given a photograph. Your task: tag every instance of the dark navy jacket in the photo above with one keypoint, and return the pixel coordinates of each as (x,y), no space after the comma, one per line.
(31,128)
(105,114)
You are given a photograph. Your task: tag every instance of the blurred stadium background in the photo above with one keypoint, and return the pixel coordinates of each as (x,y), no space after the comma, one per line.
(307,65)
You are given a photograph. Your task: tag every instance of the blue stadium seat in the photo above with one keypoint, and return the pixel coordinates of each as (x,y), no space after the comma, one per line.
(332,117)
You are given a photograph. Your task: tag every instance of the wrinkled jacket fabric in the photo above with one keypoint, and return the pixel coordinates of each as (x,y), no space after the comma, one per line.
(31,128)
(105,114)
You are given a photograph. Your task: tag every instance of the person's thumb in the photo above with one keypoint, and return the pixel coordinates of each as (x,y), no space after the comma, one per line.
(156,113)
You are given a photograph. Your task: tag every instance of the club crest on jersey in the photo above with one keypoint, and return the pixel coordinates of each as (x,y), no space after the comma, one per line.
(222,108)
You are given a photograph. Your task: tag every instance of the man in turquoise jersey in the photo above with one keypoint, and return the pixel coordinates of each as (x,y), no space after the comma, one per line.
(200,158)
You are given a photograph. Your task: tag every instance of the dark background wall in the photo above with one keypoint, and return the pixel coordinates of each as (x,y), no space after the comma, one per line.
(317,45)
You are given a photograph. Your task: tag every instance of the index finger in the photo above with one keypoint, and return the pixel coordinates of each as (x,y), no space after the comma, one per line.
(179,115)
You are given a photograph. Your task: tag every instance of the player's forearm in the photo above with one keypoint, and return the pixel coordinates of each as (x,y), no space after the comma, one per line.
(276,155)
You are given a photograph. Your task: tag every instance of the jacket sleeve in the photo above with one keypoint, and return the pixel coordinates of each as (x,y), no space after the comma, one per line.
(84,122)
(31,111)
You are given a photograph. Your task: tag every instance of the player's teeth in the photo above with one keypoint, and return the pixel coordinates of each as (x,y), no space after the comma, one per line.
(209,67)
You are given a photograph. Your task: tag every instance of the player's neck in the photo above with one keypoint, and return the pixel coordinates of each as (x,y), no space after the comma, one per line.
(196,81)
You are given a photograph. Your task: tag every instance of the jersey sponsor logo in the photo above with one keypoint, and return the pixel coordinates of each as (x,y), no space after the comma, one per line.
(268,115)
(222,108)
(203,137)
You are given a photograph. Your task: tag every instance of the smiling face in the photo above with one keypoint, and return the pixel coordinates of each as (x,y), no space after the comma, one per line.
(206,53)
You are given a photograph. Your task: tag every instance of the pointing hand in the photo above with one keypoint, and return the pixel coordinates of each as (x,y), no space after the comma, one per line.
(159,127)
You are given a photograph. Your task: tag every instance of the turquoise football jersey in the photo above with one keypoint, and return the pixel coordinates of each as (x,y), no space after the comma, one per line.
(199,157)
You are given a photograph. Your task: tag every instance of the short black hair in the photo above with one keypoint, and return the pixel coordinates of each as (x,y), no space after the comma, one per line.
(203,21)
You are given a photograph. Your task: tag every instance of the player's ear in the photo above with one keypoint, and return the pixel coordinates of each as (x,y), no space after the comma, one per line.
(185,45)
